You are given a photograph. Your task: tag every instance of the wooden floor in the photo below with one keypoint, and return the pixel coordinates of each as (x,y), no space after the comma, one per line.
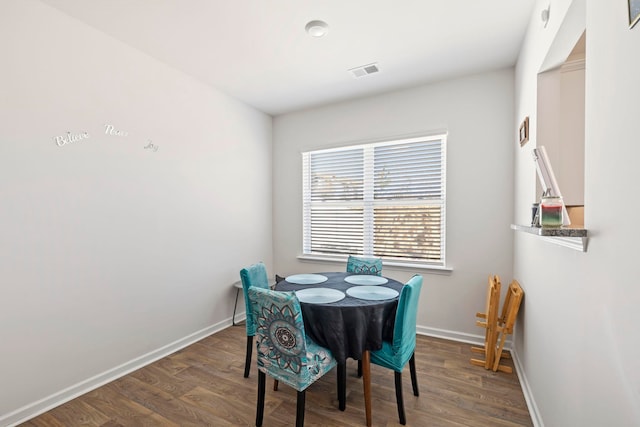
(202,385)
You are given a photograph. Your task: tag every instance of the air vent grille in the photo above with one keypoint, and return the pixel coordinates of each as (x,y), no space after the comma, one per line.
(365,70)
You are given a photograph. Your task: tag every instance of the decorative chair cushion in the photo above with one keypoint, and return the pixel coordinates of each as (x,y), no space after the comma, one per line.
(284,352)
(363,265)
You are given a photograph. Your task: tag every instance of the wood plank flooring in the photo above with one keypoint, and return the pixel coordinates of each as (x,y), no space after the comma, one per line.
(202,385)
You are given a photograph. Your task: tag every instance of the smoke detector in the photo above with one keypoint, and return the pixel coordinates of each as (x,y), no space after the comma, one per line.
(365,70)
(316,28)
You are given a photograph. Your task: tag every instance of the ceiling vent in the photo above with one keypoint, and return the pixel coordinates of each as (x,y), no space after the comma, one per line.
(365,70)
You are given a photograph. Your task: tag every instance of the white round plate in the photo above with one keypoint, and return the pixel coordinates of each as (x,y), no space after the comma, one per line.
(306,279)
(372,293)
(366,279)
(319,295)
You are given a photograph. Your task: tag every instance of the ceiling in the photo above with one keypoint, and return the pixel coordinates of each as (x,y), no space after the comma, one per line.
(258,51)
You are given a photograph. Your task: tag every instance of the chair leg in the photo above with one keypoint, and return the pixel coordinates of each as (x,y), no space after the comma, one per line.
(300,409)
(247,363)
(398,377)
(342,386)
(414,377)
(262,379)
(359,368)
(275,385)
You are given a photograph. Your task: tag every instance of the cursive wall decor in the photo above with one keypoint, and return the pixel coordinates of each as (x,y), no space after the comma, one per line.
(109,129)
(69,138)
(150,146)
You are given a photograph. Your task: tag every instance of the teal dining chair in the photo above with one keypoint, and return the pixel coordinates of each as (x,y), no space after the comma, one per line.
(254,275)
(284,351)
(364,265)
(395,354)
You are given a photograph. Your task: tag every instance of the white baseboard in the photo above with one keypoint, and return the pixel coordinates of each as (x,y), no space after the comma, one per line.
(36,408)
(451,335)
(536,418)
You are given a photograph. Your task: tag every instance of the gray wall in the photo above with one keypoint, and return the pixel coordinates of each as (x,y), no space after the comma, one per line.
(111,254)
(477,112)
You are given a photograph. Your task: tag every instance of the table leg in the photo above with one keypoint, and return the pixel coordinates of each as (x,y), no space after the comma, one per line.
(366,382)
(342,385)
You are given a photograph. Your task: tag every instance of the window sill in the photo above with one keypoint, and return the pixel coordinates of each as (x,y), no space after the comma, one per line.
(435,269)
(573,238)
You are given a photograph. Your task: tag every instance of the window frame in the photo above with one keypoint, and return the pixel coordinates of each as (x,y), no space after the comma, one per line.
(307,254)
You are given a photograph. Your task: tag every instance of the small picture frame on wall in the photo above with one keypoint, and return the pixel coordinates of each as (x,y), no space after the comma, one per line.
(524,131)
(634,12)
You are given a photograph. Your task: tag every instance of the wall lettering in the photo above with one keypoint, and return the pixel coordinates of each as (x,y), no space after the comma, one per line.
(63,140)
(110,130)
(150,146)
(70,137)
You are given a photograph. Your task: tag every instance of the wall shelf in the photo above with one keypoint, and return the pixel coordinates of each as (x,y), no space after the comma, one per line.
(573,238)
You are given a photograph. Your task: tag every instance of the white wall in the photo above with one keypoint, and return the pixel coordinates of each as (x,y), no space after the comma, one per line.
(577,339)
(109,251)
(477,111)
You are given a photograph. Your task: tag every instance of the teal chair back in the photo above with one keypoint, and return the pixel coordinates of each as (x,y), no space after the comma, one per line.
(254,275)
(364,265)
(396,354)
(404,330)
(284,351)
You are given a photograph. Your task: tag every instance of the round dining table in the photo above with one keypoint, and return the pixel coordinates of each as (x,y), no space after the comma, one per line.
(348,314)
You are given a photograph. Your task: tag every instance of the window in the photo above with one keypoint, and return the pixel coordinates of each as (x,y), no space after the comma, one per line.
(384,199)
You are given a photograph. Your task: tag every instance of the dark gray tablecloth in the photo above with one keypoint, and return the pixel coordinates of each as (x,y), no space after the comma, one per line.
(349,326)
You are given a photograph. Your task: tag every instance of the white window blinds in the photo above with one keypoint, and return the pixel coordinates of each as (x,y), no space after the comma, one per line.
(383,199)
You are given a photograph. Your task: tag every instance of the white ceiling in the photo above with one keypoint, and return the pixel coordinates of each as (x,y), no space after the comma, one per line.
(258,51)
